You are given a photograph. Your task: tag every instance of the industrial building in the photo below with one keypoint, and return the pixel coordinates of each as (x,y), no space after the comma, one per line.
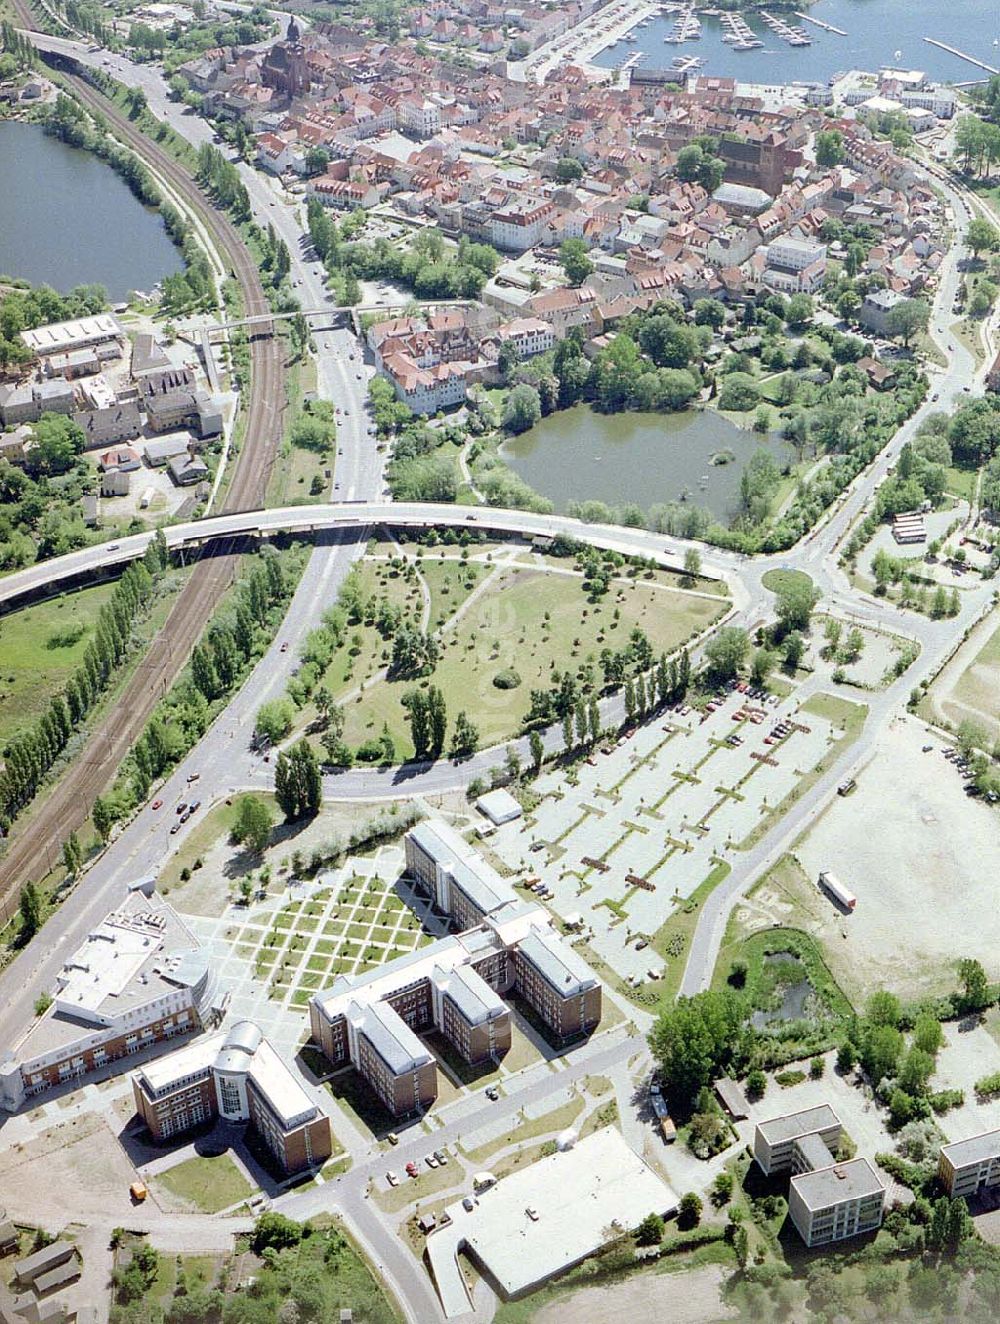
(240,1077)
(454,985)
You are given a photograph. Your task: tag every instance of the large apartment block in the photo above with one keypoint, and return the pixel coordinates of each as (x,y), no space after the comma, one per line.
(827,1201)
(454,985)
(137,981)
(966,1166)
(237,1076)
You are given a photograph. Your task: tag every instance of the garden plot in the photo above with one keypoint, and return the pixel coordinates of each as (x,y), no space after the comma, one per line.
(274,956)
(660,809)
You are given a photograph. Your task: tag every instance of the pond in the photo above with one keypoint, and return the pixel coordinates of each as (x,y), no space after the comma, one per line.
(67,219)
(782,970)
(579,455)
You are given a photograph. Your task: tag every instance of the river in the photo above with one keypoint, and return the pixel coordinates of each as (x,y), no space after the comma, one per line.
(879,32)
(67,219)
(579,455)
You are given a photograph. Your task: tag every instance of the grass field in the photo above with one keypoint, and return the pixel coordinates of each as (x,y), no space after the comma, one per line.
(533,623)
(676,933)
(210,1184)
(40,648)
(977,686)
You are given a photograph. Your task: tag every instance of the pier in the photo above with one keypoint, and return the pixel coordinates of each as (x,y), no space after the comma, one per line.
(970,59)
(827,27)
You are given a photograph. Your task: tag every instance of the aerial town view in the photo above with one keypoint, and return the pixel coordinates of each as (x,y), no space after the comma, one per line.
(499,661)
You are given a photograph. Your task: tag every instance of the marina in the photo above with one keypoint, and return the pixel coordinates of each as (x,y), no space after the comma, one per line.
(794,36)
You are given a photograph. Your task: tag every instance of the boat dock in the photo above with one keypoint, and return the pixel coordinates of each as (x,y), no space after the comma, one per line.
(786,31)
(827,27)
(970,59)
(738,34)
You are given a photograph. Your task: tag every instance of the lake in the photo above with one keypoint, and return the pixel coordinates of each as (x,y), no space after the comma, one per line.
(67,219)
(579,455)
(876,31)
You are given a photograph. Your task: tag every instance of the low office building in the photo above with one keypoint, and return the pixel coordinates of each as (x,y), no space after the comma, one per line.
(454,985)
(139,980)
(777,1143)
(240,1077)
(102,332)
(838,1201)
(827,1200)
(967,1166)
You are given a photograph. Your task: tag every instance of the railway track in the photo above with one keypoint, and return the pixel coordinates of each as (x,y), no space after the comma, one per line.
(34,847)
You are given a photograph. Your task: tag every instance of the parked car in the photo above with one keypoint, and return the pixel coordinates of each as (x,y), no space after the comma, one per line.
(176,828)
(468,1204)
(392,1138)
(431,1161)
(182,806)
(157,804)
(411,1169)
(441,1156)
(195,804)
(392,1179)
(493,1093)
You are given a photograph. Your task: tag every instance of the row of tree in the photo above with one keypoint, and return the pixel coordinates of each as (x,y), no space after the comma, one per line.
(221,181)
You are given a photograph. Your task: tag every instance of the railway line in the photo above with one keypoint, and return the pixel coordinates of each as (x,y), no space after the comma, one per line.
(35,841)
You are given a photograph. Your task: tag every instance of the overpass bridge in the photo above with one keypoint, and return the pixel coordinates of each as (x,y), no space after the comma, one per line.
(253,526)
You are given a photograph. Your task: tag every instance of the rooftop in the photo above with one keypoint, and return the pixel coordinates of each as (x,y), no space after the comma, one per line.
(842,1181)
(793,1125)
(556,961)
(390,1036)
(974,1150)
(68,335)
(577,1194)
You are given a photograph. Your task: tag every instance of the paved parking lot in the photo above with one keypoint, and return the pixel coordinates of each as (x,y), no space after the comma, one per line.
(646,823)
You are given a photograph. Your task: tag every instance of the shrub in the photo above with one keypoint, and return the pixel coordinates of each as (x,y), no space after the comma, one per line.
(988,1086)
(816,1068)
(789,1078)
(508,679)
(756,1084)
(689,1211)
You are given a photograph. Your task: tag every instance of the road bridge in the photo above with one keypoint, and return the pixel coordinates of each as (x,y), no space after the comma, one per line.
(62,572)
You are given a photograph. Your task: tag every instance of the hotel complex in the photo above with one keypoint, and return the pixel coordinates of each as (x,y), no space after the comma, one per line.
(455,984)
(237,1076)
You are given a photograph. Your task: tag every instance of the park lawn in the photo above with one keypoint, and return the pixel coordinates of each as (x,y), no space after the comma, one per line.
(217,823)
(450,582)
(977,685)
(675,933)
(210,1184)
(507,630)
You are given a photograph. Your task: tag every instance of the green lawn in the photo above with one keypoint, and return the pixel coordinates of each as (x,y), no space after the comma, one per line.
(450,582)
(776,580)
(531,622)
(674,936)
(961,482)
(210,1184)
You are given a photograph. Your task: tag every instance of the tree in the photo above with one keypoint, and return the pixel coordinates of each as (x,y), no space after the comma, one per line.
(574,260)
(103,816)
(275,1231)
(689,1211)
(726,652)
(792,649)
(437,720)
(416,705)
(693,1038)
(908,317)
(650,1230)
(981,236)
(829,148)
(975,995)
(794,602)
(522,409)
(722,1188)
(72,854)
(58,441)
(537,748)
(756,1083)
(298,786)
(761,666)
(274,720)
(464,738)
(252,825)
(30,906)
(568,169)
(847,1056)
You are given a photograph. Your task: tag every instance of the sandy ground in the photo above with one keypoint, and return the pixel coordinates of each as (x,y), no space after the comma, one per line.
(82,1156)
(878,655)
(688,1298)
(923,860)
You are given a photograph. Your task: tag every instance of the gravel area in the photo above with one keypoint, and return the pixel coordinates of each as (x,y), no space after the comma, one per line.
(682,1298)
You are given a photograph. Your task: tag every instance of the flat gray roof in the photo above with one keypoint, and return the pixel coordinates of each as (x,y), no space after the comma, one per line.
(961,1153)
(842,1181)
(814,1151)
(470,993)
(793,1125)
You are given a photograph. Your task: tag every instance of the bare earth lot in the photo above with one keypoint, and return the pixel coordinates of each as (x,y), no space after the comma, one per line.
(969,685)
(688,1298)
(923,860)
